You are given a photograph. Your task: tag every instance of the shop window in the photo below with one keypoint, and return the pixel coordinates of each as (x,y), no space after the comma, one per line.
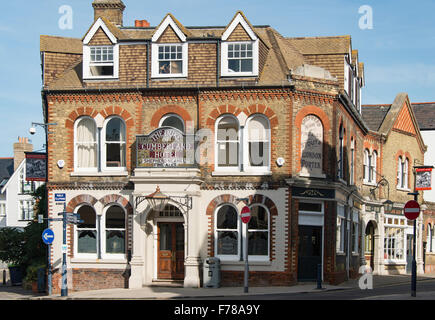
(258,232)
(227,233)
(87,231)
(115,230)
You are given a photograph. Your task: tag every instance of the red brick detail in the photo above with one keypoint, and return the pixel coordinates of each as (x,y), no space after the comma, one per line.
(116,198)
(258,278)
(220,110)
(319,113)
(169,109)
(83,198)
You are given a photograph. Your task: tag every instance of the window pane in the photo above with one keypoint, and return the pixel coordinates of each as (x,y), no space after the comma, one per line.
(228,129)
(101,70)
(228,154)
(227,242)
(87,214)
(258,243)
(305,206)
(115,130)
(87,241)
(233,65)
(115,218)
(259,219)
(164,67)
(115,241)
(227,218)
(176,67)
(115,154)
(246,65)
(174,122)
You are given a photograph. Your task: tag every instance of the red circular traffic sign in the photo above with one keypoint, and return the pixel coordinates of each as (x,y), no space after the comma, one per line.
(245,214)
(412,210)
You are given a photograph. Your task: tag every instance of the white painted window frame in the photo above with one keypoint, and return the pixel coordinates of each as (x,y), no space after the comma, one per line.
(89,169)
(232,257)
(224,59)
(247,167)
(76,235)
(155,60)
(231,169)
(87,63)
(244,235)
(103,151)
(104,254)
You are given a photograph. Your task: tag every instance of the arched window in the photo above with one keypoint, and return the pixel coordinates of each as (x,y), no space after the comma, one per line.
(258,143)
(258,231)
(366,165)
(227,235)
(341,153)
(227,139)
(405,174)
(172,120)
(429,238)
(115,230)
(87,231)
(402,173)
(85,141)
(352,161)
(114,145)
(373,166)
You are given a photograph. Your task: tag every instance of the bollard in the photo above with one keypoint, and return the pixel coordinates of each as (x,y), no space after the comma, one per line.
(4,277)
(319,276)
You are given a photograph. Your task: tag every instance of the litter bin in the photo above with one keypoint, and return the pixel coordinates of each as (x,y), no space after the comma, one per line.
(212,273)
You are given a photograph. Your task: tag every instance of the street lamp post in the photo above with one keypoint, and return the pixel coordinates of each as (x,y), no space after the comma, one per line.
(32,131)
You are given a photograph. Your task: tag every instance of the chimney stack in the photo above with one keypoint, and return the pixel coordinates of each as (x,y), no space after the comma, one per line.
(20,148)
(110,9)
(141,23)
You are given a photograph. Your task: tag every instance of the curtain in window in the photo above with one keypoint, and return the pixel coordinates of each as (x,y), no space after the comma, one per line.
(86,143)
(115,230)
(87,231)
(227,234)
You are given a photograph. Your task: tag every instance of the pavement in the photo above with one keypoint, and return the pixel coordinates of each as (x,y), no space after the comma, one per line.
(165,292)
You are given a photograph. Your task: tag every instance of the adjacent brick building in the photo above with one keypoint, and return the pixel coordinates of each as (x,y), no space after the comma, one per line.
(392,148)
(271,122)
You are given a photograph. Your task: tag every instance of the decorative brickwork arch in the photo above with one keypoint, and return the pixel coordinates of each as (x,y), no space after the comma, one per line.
(116,198)
(231,199)
(83,198)
(180,111)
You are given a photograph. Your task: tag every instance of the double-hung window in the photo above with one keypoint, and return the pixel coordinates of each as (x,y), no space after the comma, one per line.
(169,60)
(258,137)
(402,173)
(240,58)
(114,148)
(228,143)
(100,62)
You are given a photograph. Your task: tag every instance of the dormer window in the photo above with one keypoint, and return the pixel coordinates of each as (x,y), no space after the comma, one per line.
(170,59)
(101,63)
(240,57)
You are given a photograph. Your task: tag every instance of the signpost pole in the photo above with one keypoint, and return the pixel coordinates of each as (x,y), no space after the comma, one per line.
(64,290)
(49,271)
(412,211)
(245,253)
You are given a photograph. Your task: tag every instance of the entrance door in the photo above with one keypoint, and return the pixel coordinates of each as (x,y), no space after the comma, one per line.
(170,262)
(310,252)
(409,253)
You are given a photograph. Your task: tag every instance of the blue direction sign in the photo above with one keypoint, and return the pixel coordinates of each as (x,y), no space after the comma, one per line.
(59,197)
(48,236)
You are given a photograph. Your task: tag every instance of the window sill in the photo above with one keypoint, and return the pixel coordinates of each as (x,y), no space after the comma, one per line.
(169,77)
(240,173)
(100,174)
(242,263)
(403,189)
(367,183)
(108,78)
(99,261)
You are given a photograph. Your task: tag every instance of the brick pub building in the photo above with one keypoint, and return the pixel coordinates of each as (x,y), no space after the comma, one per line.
(215,117)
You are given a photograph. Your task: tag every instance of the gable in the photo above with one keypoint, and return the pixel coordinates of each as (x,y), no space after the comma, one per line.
(175,27)
(239,34)
(169,36)
(404,121)
(241,27)
(106,27)
(100,38)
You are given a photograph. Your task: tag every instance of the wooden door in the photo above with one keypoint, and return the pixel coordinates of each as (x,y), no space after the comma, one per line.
(170,264)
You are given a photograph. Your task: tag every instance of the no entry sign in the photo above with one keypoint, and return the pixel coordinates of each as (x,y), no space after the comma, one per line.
(412,210)
(245,214)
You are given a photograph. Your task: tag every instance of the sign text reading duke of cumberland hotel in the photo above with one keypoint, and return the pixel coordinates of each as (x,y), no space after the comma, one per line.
(165,147)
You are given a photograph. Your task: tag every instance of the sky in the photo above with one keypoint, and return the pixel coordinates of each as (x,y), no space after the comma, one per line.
(396,43)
